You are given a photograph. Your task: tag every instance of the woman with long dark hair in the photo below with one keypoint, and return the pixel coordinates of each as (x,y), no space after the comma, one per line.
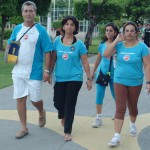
(103,63)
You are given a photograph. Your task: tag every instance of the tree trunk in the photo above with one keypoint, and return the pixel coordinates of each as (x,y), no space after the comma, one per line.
(89,33)
(93,23)
(4,20)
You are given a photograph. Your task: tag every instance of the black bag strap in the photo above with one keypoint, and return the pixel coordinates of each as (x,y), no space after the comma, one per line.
(110,64)
(26,31)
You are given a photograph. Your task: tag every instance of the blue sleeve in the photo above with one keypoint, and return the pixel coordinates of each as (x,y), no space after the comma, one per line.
(83,49)
(46,41)
(118,46)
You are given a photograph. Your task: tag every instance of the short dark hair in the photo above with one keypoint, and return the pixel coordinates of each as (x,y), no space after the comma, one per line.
(29,3)
(131,23)
(75,21)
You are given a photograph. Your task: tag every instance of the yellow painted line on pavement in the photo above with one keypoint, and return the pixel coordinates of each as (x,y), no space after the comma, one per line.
(83,134)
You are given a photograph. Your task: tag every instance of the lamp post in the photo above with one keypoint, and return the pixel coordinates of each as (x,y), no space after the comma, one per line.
(68,7)
(54,10)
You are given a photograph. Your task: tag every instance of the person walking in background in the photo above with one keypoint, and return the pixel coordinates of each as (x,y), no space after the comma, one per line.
(27,74)
(128,77)
(146,34)
(103,63)
(71,54)
(59,31)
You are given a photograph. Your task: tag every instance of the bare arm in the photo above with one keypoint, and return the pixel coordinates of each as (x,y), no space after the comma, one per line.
(96,64)
(7,46)
(110,50)
(53,60)
(146,61)
(87,70)
(47,65)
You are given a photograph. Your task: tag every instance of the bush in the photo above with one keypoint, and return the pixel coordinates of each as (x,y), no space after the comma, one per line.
(56,24)
(102,31)
(7,33)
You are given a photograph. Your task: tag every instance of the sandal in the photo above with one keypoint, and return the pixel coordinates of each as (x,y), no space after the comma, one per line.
(42,120)
(68,137)
(21,134)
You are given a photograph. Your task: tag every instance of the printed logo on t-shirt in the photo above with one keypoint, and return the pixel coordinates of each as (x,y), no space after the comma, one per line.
(26,37)
(65,56)
(126,57)
(72,48)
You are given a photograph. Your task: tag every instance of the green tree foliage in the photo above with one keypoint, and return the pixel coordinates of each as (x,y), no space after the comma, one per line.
(63,3)
(103,10)
(7,10)
(137,10)
(56,24)
(11,10)
(96,11)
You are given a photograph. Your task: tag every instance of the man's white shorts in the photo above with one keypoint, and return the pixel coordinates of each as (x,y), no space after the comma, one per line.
(25,87)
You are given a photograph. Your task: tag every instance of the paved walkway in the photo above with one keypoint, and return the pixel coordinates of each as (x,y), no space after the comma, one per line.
(84,136)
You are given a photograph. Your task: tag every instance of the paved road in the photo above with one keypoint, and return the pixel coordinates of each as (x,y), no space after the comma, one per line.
(84,136)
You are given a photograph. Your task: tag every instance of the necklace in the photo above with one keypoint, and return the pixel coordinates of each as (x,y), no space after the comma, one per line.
(68,41)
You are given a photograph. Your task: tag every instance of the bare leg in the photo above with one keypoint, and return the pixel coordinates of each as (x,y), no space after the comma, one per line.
(99,108)
(42,113)
(118,125)
(133,119)
(39,106)
(21,107)
(98,120)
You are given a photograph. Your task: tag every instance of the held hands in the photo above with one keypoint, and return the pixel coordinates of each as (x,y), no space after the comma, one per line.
(89,84)
(47,77)
(148,88)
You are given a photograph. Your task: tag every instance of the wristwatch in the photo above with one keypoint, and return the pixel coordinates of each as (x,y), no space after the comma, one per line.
(148,82)
(47,71)
(89,79)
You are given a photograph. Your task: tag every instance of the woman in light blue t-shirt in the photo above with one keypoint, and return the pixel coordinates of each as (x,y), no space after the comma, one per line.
(71,59)
(132,55)
(103,63)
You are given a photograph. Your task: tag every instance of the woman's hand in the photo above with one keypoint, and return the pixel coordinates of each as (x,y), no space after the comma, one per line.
(120,37)
(148,88)
(47,78)
(89,84)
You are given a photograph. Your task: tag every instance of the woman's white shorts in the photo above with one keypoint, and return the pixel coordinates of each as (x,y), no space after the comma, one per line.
(25,87)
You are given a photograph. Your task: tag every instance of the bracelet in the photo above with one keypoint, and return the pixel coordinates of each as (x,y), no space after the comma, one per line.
(89,79)
(47,71)
(148,82)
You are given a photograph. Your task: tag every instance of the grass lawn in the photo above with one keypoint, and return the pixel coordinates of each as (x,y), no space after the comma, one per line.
(5,72)
(94,47)
(5,69)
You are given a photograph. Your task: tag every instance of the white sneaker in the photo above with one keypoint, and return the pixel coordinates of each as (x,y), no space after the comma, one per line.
(133,130)
(115,141)
(97,123)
